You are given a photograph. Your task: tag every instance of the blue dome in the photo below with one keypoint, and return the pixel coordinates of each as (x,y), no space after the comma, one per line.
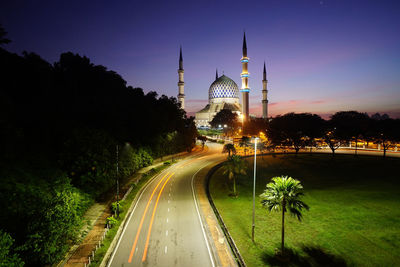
(223,87)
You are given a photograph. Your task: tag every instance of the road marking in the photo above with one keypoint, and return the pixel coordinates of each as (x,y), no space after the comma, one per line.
(168,201)
(146,246)
(169,194)
(168,209)
(166,250)
(130,217)
(167,220)
(198,214)
(166,233)
(142,220)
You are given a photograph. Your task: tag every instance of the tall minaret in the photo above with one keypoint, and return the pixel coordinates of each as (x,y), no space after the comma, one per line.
(265,92)
(216,74)
(245,81)
(181,84)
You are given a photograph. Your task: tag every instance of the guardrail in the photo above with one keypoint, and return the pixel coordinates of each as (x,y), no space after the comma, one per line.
(231,243)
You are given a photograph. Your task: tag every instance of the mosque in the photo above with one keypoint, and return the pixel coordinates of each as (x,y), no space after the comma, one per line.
(224,93)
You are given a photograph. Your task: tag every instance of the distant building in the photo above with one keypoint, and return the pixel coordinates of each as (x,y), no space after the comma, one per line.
(224,93)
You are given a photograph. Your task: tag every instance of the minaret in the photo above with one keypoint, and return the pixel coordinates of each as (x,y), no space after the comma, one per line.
(265,92)
(245,81)
(216,74)
(181,84)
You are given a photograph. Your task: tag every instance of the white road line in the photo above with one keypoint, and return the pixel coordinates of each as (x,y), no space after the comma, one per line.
(168,201)
(166,233)
(169,194)
(168,209)
(167,220)
(166,249)
(198,213)
(133,211)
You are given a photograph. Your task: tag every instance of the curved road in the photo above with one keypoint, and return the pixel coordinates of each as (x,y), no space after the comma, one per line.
(165,226)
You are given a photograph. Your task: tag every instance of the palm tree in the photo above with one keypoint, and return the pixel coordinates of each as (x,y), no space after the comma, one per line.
(244,142)
(283,194)
(229,148)
(233,167)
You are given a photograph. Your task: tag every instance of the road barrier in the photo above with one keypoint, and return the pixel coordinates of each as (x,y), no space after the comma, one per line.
(232,244)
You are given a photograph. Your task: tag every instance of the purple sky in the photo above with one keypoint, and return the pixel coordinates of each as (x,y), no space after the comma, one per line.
(321,56)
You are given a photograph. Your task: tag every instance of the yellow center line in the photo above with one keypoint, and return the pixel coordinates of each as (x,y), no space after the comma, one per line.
(141,221)
(152,219)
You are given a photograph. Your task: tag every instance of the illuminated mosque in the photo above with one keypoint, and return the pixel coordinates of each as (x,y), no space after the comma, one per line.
(224,93)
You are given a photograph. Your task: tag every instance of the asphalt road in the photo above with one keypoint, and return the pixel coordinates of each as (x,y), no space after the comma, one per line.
(165,227)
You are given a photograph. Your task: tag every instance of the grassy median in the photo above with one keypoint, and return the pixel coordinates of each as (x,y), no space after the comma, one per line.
(354,215)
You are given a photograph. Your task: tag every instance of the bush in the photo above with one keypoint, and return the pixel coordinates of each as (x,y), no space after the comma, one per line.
(111,221)
(121,206)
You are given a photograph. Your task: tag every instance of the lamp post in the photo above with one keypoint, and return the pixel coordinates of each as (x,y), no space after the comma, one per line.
(254,188)
(117,211)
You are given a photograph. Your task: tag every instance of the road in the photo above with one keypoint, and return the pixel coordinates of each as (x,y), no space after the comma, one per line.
(165,227)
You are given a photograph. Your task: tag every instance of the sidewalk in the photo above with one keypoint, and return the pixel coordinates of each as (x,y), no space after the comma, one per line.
(97,214)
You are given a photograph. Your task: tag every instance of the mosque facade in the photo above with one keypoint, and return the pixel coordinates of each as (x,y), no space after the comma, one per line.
(224,93)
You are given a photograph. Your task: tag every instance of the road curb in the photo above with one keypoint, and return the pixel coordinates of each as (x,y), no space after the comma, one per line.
(231,242)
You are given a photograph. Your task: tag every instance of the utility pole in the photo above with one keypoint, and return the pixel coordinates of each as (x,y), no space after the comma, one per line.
(117,211)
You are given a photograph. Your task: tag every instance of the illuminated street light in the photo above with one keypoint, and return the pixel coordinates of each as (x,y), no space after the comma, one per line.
(254,187)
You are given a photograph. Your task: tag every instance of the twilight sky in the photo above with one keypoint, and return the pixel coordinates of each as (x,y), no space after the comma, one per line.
(321,56)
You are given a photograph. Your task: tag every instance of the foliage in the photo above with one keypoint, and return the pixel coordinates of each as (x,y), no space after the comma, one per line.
(297,130)
(121,206)
(284,194)
(3,39)
(58,205)
(230,149)
(245,143)
(7,257)
(225,117)
(233,168)
(111,221)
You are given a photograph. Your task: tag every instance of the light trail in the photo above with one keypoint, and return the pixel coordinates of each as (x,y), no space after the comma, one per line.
(142,220)
(152,218)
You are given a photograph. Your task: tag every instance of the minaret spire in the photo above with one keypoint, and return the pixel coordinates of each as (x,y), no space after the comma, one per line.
(245,81)
(181,84)
(265,94)
(244,45)
(216,73)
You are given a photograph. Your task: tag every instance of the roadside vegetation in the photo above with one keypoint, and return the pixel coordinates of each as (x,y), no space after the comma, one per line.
(353,217)
(62,126)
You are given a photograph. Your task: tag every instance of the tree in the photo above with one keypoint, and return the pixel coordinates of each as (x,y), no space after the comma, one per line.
(230,149)
(387,133)
(224,117)
(234,167)
(203,140)
(3,39)
(7,258)
(284,194)
(296,130)
(350,125)
(245,143)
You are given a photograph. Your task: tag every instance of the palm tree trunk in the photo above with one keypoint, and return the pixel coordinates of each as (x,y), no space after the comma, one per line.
(283,225)
(234,185)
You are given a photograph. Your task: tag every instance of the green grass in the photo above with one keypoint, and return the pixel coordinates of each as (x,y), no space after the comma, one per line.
(354,208)
(100,253)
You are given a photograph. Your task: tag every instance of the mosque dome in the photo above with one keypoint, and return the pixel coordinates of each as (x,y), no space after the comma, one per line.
(223,87)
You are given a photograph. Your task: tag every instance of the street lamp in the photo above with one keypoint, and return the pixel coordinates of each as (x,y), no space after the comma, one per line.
(254,188)
(242,118)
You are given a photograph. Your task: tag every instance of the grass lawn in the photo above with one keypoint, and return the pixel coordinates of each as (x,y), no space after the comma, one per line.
(354,208)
